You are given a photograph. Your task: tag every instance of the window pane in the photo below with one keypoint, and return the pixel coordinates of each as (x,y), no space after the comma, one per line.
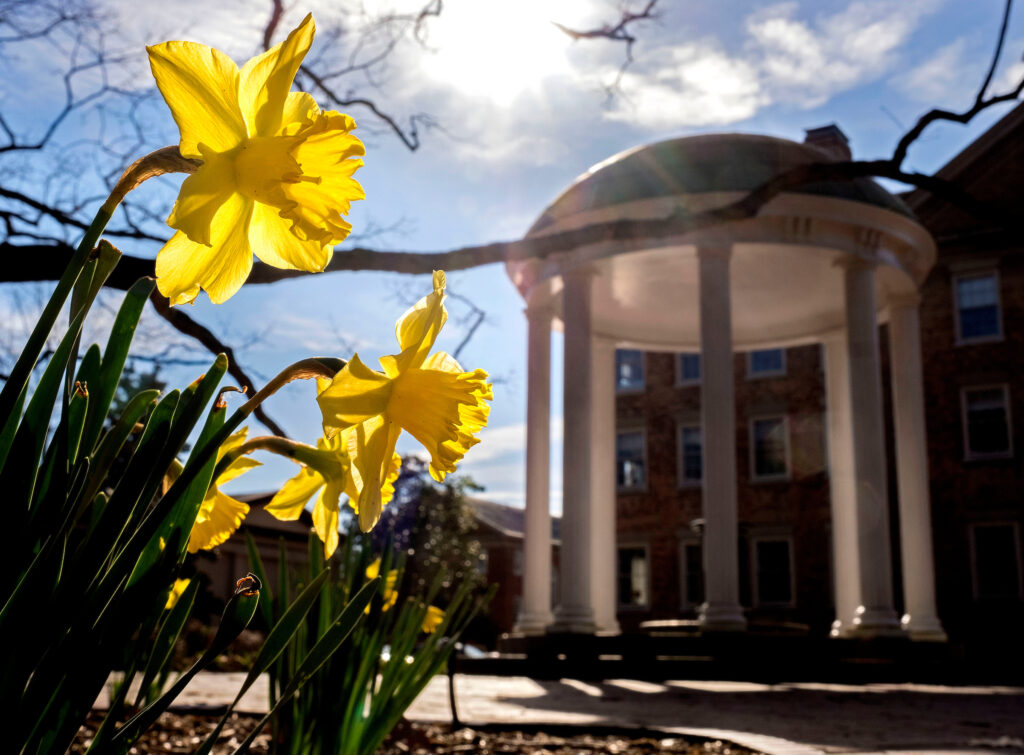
(769,447)
(632,577)
(995,559)
(988,431)
(689,368)
(694,567)
(629,369)
(766,361)
(978,303)
(773,577)
(629,451)
(693,466)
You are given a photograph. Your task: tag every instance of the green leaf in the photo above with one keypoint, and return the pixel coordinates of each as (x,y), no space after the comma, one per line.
(17,382)
(273,646)
(325,647)
(256,565)
(170,630)
(114,357)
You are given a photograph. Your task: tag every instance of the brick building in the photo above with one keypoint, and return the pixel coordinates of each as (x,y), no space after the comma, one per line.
(972,343)
(802,418)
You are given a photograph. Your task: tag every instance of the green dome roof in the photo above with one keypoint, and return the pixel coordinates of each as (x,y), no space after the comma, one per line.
(701,164)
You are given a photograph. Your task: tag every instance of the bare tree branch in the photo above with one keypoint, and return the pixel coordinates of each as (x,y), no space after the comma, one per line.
(980,101)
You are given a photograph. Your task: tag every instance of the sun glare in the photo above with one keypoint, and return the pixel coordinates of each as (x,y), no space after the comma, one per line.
(500,49)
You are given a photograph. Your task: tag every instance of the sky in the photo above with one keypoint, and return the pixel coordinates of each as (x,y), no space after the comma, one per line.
(522,110)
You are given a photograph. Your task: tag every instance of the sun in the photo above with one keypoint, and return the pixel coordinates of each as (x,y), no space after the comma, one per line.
(500,49)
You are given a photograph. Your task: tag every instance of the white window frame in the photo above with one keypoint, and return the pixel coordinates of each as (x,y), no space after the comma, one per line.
(681,479)
(643,453)
(974,556)
(754,476)
(643,374)
(682,382)
(751,375)
(633,545)
(977,273)
(686,538)
(969,455)
(754,585)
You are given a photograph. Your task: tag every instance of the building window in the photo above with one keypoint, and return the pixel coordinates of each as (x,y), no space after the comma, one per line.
(687,369)
(773,571)
(769,448)
(977,307)
(630,463)
(629,370)
(632,577)
(995,551)
(691,557)
(517,562)
(482,562)
(766,363)
(986,418)
(691,461)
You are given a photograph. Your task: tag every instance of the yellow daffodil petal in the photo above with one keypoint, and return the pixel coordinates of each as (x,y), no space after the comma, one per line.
(265,80)
(375,443)
(387,490)
(327,155)
(202,195)
(238,467)
(200,85)
(176,590)
(274,243)
(417,329)
(300,111)
(373,569)
(325,518)
(288,502)
(432,620)
(443,411)
(354,395)
(219,516)
(183,267)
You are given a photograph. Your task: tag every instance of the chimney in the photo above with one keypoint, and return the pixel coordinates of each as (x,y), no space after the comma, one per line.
(830,139)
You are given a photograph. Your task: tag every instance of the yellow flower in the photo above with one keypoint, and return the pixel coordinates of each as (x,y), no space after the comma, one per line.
(276,173)
(176,590)
(390,593)
(327,469)
(433,619)
(220,514)
(442,406)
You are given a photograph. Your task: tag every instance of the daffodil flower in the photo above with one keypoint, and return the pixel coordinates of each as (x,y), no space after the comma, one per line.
(390,593)
(430,396)
(325,469)
(220,514)
(276,172)
(432,620)
(176,590)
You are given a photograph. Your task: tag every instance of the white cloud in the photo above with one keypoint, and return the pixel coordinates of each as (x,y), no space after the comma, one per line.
(939,77)
(693,85)
(785,58)
(499,442)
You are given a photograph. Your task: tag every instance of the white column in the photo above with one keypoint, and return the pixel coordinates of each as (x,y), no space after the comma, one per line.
(875,615)
(721,611)
(603,555)
(575,612)
(535,611)
(920,620)
(845,569)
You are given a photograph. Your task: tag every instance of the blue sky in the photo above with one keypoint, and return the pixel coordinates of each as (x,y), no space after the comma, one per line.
(524,111)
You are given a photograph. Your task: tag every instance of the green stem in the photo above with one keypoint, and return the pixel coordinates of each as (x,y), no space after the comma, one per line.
(19,376)
(286,447)
(301,370)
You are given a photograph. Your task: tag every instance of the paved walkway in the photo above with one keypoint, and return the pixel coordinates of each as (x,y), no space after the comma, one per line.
(789,719)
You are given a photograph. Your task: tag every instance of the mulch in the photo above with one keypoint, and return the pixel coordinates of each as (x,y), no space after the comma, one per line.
(183,733)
